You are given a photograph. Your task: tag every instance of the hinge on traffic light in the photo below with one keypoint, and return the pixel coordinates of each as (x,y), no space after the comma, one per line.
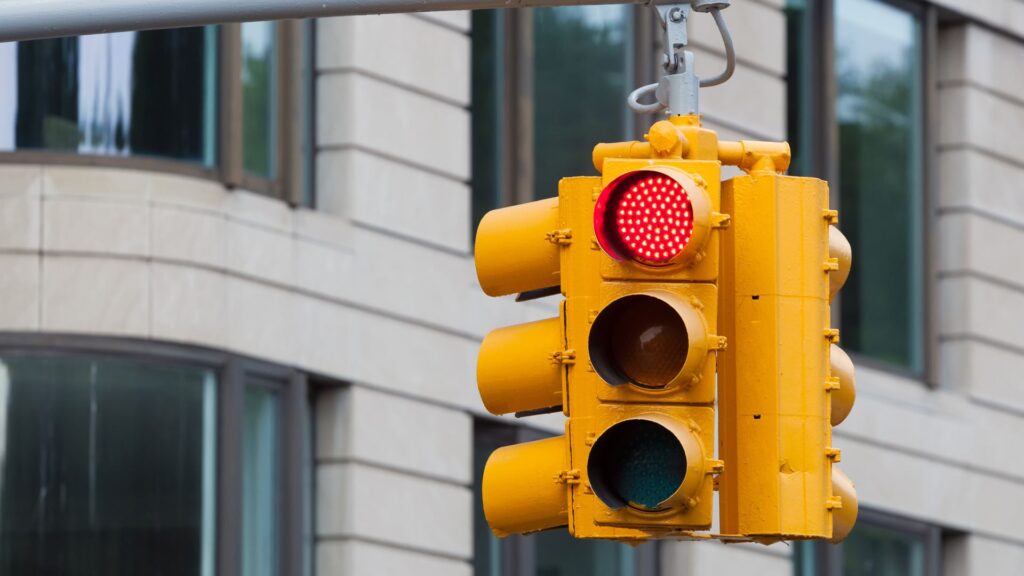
(834,503)
(719,220)
(715,466)
(832,265)
(832,335)
(831,216)
(833,454)
(568,477)
(561,237)
(832,384)
(564,357)
(717,342)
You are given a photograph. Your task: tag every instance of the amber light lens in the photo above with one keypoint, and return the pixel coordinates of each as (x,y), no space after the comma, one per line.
(639,340)
(647,217)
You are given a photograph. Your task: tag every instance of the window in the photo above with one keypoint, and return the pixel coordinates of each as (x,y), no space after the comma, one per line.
(130,93)
(880,545)
(872,153)
(117,455)
(549,553)
(223,102)
(549,84)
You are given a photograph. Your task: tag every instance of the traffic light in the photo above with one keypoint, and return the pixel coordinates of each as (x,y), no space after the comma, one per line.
(631,358)
(784,382)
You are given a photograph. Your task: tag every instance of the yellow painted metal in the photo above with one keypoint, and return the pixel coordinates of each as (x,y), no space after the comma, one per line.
(845,515)
(839,249)
(517,248)
(520,367)
(595,284)
(774,380)
(842,375)
(524,487)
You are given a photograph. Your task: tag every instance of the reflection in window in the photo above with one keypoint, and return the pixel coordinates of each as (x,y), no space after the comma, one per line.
(106,466)
(581,75)
(260,482)
(258,98)
(879,545)
(129,93)
(878,67)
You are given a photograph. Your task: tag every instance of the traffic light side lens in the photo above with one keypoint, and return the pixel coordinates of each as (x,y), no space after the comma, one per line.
(639,339)
(645,216)
(638,463)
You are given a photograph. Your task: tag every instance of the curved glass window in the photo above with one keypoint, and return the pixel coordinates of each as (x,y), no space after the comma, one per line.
(131,93)
(107,466)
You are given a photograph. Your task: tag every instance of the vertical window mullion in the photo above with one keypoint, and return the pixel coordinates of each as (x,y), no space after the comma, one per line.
(229,470)
(231,104)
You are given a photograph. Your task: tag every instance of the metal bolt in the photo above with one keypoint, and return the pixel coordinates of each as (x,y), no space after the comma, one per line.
(676,15)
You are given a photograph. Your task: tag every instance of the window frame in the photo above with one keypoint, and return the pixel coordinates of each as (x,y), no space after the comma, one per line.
(515,162)
(234,373)
(518,553)
(827,559)
(822,161)
(293,59)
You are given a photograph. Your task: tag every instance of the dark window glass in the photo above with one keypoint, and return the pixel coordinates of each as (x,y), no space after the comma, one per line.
(879,110)
(129,93)
(878,546)
(581,76)
(549,553)
(259,98)
(801,111)
(488,40)
(106,466)
(259,482)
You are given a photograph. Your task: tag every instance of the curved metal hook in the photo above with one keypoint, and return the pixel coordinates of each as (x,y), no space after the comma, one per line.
(634,100)
(730,52)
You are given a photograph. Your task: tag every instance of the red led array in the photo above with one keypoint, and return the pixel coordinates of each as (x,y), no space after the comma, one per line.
(653,218)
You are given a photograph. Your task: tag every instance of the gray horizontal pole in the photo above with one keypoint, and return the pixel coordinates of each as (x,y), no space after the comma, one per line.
(29,19)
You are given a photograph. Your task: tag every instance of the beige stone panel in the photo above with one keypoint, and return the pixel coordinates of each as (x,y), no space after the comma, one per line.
(945,424)
(118,184)
(324,269)
(361,501)
(261,320)
(259,210)
(394,123)
(972,554)
(370,426)
(20,211)
(758,31)
(392,196)
(1005,15)
(322,228)
(260,252)
(95,295)
(19,292)
(189,305)
(187,192)
(977,118)
(73,224)
(934,490)
(431,58)
(982,308)
(970,178)
(344,557)
(734,102)
(189,235)
(981,245)
(989,374)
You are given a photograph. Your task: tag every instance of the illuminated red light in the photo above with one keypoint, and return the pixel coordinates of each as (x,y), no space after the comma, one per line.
(646,216)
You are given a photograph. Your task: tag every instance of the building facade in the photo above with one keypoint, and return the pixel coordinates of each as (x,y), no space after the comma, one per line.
(239,317)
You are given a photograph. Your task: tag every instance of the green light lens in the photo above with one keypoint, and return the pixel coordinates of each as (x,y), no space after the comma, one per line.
(637,463)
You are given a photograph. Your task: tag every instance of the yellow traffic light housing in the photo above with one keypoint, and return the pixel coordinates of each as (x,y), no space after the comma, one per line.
(783,383)
(656,258)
